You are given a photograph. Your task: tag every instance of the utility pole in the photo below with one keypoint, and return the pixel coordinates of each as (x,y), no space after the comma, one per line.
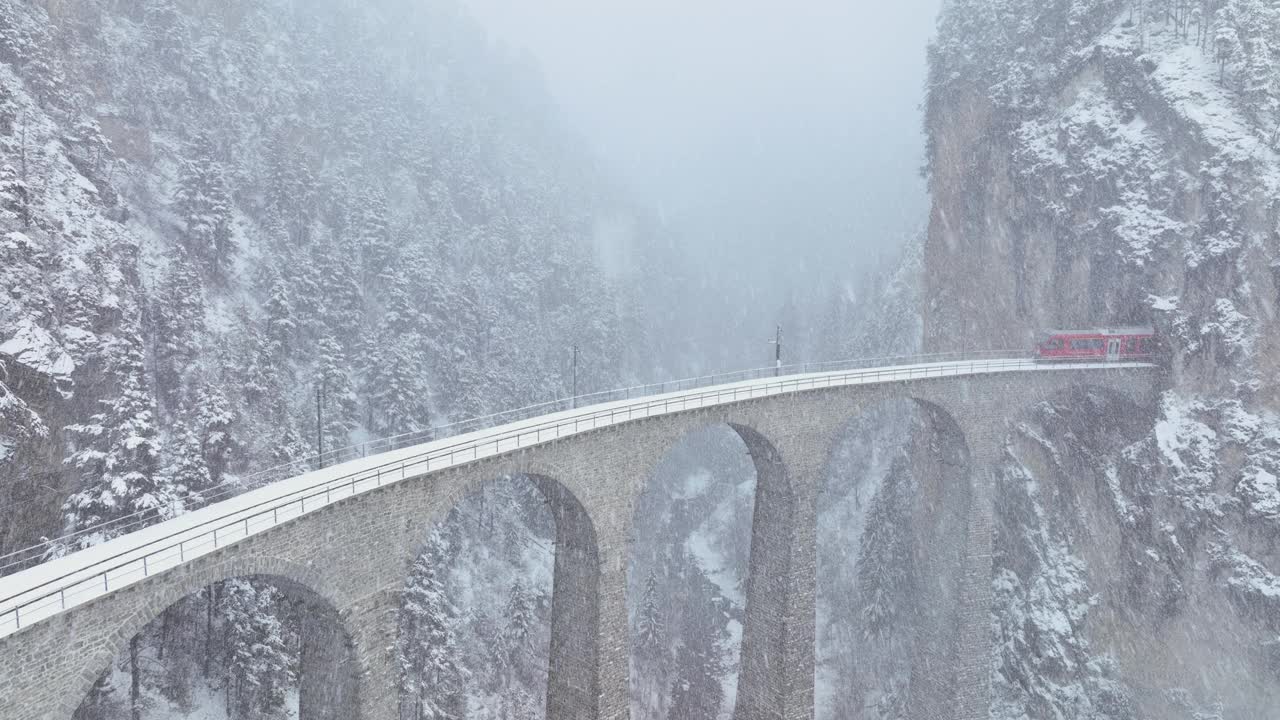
(574,399)
(319,422)
(776,342)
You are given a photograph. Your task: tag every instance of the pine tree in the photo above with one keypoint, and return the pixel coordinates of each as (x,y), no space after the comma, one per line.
(520,619)
(258,372)
(187,470)
(338,400)
(1227,46)
(203,201)
(116,452)
(28,43)
(214,419)
(885,566)
(177,318)
(258,663)
(373,239)
(697,690)
(396,385)
(289,446)
(651,631)
(519,704)
(403,312)
(290,190)
(282,329)
(340,303)
(1256,28)
(431,678)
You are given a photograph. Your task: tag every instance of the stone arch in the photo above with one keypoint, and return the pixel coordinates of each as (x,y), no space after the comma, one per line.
(301,581)
(573,677)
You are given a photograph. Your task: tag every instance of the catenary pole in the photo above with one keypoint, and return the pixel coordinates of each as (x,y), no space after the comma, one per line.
(319,423)
(776,342)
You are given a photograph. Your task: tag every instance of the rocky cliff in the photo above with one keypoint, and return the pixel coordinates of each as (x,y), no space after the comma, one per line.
(1102,163)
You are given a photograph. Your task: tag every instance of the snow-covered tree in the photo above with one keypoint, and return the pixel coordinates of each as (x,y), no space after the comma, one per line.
(885,565)
(291,189)
(1226,40)
(520,618)
(373,239)
(203,202)
(338,299)
(177,320)
(338,404)
(213,419)
(116,452)
(396,387)
(519,704)
(187,471)
(259,663)
(282,328)
(697,691)
(431,679)
(651,633)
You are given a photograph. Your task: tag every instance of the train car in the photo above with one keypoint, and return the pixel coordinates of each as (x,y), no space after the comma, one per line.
(1106,345)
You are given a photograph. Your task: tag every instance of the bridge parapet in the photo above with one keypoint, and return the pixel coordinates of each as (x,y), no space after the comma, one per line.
(349,533)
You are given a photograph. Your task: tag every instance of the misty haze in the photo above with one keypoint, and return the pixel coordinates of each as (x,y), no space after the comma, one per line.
(663,360)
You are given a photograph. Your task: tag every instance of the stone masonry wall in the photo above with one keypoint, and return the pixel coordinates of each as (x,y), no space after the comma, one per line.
(355,553)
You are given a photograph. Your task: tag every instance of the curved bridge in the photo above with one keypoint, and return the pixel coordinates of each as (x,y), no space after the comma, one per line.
(349,533)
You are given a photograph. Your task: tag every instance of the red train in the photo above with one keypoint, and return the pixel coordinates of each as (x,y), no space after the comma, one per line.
(1111,344)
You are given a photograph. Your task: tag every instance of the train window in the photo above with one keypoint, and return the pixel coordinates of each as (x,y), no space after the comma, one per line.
(1083,344)
(1053,344)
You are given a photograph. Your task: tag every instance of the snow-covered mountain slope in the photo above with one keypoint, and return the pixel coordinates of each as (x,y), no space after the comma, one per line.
(212,212)
(216,216)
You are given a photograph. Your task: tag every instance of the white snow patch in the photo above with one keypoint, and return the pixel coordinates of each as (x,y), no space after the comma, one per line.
(33,347)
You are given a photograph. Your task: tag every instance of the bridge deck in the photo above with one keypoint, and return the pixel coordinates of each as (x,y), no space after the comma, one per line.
(48,589)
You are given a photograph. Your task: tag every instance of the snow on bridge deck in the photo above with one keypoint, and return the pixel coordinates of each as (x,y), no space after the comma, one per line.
(48,589)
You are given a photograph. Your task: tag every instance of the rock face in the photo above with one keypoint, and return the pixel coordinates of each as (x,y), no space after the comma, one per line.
(1100,173)
(1095,164)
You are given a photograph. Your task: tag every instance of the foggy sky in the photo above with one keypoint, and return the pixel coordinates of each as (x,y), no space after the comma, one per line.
(789,131)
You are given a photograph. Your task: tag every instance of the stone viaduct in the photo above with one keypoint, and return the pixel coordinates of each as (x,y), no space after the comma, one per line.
(354,555)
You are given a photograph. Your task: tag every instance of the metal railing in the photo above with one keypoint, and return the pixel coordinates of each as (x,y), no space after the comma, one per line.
(30,556)
(67,585)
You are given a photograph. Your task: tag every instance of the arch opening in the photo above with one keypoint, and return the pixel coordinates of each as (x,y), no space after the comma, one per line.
(689,570)
(498,616)
(893,504)
(250,647)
